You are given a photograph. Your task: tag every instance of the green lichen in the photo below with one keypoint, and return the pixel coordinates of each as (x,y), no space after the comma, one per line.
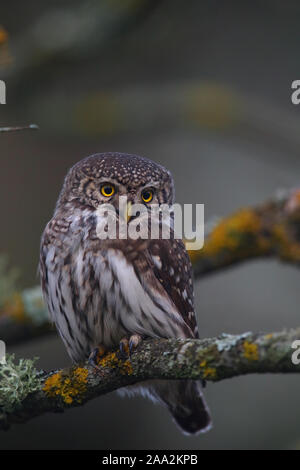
(17,381)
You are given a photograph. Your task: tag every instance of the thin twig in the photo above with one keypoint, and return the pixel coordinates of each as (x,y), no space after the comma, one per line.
(19,128)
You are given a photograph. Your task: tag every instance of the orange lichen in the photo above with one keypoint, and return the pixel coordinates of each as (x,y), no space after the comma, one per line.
(69,387)
(193,254)
(208,372)
(52,383)
(111,360)
(251,351)
(72,386)
(15,308)
(3,35)
(232,235)
(269,336)
(286,246)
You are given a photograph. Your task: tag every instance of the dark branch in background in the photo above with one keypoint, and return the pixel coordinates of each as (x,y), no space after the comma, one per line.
(19,128)
(269,230)
(13,331)
(90,27)
(209,359)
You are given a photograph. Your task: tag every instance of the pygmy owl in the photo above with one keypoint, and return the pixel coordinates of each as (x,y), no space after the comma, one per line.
(107,293)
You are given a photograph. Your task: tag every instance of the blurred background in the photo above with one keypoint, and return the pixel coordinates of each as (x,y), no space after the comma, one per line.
(204,88)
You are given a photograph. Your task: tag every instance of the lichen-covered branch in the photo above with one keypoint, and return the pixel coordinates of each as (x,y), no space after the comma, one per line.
(90,27)
(268,230)
(212,359)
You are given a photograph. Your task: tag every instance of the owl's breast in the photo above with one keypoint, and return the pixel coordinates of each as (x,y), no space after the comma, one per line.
(83,300)
(95,297)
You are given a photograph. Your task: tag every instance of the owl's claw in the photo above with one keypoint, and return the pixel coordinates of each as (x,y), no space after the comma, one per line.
(124,348)
(134,341)
(95,355)
(128,346)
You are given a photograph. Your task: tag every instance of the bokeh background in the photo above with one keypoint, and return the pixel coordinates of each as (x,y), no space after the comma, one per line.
(203,88)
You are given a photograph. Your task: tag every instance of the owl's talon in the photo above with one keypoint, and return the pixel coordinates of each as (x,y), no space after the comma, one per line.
(134,341)
(95,355)
(92,360)
(124,348)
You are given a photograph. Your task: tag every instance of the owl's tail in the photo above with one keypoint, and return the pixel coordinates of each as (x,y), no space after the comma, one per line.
(186,403)
(183,398)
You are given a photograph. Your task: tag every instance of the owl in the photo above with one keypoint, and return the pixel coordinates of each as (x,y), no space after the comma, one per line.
(113,293)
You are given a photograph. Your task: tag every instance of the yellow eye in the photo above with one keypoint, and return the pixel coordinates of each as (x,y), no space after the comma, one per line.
(147,195)
(107,189)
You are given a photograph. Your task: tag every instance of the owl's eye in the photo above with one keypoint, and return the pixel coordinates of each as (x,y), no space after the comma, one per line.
(147,195)
(107,189)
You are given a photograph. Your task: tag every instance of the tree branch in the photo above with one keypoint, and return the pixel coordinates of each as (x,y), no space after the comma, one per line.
(212,359)
(271,229)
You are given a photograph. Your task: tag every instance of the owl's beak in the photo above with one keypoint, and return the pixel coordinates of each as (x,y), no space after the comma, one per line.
(125,209)
(127,212)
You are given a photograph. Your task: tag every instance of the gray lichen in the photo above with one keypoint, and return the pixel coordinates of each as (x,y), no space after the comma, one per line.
(225,341)
(17,381)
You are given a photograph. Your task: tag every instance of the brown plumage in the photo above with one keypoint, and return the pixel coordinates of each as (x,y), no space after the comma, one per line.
(108,292)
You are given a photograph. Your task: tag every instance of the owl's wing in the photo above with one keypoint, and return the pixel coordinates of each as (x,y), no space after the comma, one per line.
(165,268)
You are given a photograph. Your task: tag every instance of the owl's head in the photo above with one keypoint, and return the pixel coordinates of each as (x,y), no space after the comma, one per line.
(104,177)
